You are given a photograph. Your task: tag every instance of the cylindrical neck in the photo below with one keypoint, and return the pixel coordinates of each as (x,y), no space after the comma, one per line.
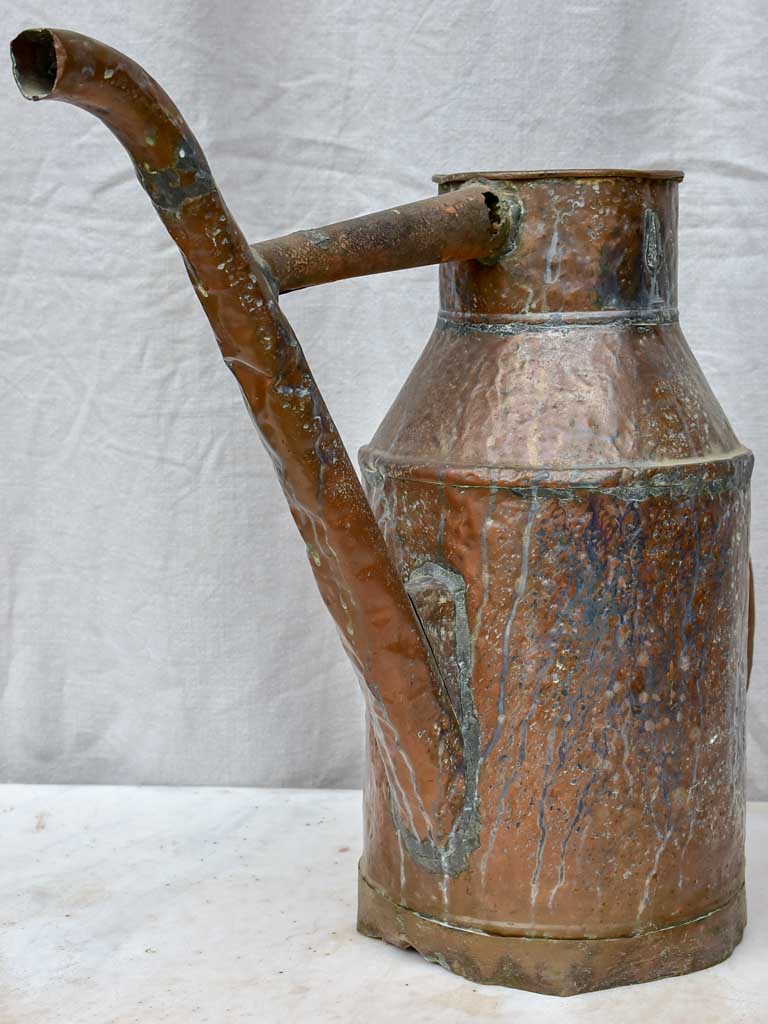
(588,244)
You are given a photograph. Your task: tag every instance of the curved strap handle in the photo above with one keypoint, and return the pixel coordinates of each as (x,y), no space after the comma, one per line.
(750,623)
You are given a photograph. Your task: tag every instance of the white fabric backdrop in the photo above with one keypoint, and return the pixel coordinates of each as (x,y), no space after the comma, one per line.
(158,621)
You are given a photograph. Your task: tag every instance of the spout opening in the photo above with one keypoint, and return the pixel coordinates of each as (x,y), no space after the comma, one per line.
(35,64)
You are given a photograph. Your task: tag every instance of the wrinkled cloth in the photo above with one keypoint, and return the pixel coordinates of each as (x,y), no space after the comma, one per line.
(158,619)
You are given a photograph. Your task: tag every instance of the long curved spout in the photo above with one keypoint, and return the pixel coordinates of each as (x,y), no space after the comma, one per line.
(356,578)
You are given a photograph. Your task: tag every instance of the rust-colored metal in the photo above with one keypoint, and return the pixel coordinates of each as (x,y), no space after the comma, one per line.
(471,223)
(558,175)
(554,624)
(557,450)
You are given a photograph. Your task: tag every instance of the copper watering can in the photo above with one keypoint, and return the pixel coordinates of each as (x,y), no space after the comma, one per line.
(543,585)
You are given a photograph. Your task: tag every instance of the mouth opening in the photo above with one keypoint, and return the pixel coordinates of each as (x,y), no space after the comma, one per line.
(35,67)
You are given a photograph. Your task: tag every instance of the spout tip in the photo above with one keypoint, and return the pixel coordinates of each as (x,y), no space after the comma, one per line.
(35,64)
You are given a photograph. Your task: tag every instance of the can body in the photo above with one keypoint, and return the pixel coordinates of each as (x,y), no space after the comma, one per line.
(570,509)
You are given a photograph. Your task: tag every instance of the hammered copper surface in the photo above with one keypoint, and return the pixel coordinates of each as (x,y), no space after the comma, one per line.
(547,599)
(553,966)
(557,467)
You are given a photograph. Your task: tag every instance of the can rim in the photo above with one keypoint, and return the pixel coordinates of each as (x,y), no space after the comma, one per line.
(622,172)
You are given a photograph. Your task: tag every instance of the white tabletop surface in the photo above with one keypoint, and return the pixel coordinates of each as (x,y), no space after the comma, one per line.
(220,906)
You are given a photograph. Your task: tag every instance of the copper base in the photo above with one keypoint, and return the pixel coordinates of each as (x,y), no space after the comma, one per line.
(561,967)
